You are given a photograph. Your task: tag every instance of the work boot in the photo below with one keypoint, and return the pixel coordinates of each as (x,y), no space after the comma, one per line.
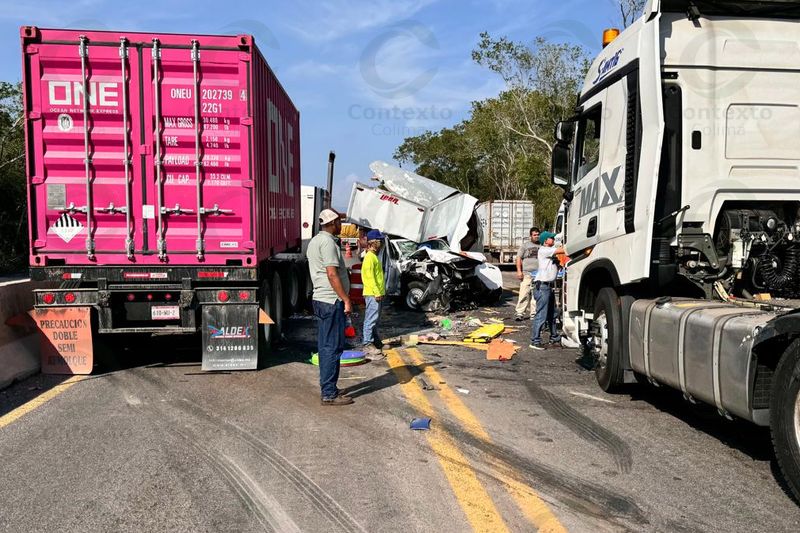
(342,399)
(371,351)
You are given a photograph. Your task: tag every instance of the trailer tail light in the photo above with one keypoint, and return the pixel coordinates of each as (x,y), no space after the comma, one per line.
(149,297)
(70,298)
(168,297)
(131,297)
(49,298)
(212,275)
(223,296)
(71,275)
(244,295)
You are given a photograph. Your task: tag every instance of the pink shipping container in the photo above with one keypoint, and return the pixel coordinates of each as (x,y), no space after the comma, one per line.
(191,155)
(163,185)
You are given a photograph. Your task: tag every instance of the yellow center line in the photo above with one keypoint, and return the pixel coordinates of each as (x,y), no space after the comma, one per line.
(468,490)
(532,506)
(40,400)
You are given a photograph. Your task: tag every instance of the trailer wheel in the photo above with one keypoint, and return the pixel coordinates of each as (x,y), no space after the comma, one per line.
(784,418)
(291,277)
(606,340)
(277,307)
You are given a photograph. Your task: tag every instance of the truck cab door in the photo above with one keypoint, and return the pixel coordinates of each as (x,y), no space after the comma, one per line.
(390,257)
(583,217)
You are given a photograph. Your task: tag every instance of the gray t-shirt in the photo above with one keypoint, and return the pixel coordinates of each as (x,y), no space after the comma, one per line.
(323,251)
(528,253)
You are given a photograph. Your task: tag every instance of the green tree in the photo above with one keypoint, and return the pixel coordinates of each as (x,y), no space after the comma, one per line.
(502,152)
(629,10)
(13,205)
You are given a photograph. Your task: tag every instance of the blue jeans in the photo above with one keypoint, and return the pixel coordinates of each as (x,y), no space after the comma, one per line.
(372,314)
(330,345)
(545,312)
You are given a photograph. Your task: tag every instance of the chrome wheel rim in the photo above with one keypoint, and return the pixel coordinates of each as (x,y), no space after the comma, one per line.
(413,298)
(797,419)
(600,340)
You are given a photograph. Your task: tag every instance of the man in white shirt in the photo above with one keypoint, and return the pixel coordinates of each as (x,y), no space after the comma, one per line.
(543,291)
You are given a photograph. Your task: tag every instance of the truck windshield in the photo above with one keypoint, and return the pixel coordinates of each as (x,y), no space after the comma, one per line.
(742,8)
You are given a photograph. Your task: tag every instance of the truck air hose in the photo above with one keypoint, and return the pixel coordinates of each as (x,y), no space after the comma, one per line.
(774,279)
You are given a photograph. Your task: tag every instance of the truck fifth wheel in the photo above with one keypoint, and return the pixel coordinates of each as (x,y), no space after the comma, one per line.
(680,167)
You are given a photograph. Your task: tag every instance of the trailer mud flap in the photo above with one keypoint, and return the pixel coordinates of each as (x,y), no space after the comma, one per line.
(66,339)
(230,337)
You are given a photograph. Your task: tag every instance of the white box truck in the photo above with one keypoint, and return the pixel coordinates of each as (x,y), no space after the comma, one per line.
(682,169)
(506,225)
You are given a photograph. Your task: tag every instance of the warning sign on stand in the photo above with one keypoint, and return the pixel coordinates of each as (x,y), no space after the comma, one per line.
(66,336)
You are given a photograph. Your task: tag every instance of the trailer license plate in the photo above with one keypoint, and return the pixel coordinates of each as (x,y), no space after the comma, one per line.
(165,312)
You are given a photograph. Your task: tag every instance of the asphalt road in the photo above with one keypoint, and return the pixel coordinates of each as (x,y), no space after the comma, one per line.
(150,443)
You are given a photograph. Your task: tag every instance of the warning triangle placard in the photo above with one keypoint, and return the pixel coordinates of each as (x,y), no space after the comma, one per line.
(67,227)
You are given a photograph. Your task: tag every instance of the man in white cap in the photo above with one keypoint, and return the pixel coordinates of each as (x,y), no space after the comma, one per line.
(331,303)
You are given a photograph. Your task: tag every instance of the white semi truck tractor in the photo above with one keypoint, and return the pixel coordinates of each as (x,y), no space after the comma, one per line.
(681,167)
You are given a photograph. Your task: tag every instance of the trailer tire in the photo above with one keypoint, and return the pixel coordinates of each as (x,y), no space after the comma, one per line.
(291,281)
(607,333)
(785,416)
(269,334)
(277,307)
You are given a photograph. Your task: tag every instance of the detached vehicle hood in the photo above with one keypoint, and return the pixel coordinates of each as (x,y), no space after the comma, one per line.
(416,208)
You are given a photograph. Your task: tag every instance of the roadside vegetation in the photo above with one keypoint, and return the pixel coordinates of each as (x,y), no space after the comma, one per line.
(502,151)
(13,207)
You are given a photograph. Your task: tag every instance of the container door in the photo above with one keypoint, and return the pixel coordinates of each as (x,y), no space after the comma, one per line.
(199,189)
(82,152)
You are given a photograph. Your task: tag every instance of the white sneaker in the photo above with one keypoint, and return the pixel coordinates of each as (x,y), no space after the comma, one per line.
(537,347)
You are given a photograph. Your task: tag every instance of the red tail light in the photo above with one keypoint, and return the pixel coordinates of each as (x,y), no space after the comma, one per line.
(131,297)
(149,297)
(49,298)
(70,297)
(244,295)
(168,297)
(223,296)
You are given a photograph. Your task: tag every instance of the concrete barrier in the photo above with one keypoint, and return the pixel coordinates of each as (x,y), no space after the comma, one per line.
(19,346)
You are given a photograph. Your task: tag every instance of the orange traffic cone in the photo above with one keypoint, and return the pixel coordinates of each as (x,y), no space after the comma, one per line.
(348,254)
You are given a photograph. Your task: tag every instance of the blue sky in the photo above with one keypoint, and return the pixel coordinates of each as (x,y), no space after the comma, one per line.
(364,74)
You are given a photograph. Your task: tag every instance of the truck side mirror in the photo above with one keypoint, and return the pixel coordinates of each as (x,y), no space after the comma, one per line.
(560,168)
(565,130)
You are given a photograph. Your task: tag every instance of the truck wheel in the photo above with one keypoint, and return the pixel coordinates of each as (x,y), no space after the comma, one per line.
(277,307)
(413,295)
(606,337)
(784,416)
(291,282)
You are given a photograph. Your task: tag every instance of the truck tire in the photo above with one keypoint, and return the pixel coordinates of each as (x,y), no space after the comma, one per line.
(607,335)
(277,307)
(291,286)
(784,416)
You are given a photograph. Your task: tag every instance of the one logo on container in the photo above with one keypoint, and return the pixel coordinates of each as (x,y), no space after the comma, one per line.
(70,93)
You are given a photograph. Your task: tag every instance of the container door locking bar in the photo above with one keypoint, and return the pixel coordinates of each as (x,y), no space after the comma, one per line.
(200,245)
(83,50)
(126,162)
(158,157)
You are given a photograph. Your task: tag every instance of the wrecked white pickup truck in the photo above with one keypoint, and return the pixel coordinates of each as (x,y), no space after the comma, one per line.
(426,261)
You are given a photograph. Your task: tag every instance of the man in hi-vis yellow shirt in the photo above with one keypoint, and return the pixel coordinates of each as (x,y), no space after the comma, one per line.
(374,292)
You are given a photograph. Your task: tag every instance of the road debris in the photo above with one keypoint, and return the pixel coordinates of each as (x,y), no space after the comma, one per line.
(424,384)
(500,350)
(421,424)
(462,391)
(485,334)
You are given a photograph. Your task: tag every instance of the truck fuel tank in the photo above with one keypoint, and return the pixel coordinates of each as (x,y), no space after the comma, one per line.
(701,347)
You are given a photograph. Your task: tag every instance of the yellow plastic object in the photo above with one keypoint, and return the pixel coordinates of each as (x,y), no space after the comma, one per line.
(485,334)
